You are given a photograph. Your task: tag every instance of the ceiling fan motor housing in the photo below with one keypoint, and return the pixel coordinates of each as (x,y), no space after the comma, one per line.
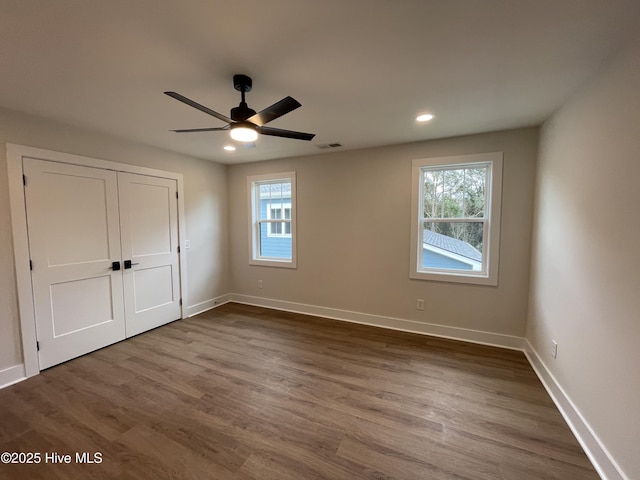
(242,112)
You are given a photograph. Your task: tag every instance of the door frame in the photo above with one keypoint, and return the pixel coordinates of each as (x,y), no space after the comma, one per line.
(15,154)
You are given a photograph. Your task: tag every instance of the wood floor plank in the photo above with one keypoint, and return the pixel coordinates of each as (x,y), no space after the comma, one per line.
(243,392)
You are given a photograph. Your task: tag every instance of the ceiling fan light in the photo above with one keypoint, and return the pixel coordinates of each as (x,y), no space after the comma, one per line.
(243,133)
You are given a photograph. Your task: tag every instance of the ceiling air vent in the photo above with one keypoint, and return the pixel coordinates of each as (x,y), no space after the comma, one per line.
(329,145)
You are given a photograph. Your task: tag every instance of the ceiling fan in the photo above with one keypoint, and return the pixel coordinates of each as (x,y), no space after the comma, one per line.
(245,124)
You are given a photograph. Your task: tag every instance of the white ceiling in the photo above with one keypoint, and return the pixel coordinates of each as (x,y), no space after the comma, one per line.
(362,69)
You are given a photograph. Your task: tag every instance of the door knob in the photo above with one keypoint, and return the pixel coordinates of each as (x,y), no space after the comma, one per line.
(115,266)
(128,264)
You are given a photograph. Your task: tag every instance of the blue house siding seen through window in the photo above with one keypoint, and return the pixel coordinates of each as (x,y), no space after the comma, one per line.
(435,260)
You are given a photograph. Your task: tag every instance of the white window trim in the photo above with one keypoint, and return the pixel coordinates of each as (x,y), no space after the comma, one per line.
(488,275)
(254,220)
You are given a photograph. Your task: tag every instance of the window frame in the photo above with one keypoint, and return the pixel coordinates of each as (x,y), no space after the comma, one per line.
(488,274)
(253,190)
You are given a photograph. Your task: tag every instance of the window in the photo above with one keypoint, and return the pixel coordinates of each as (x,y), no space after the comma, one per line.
(456,218)
(272,219)
(276,212)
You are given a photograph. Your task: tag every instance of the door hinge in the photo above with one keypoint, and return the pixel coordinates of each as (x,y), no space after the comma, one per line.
(38,345)
(180,301)
(176,194)
(24,180)
(31,265)
(178,248)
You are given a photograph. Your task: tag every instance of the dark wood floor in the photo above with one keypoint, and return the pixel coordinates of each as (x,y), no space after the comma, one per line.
(249,393)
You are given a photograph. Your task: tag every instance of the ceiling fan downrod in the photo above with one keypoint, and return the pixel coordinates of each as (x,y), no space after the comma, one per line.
(243,84)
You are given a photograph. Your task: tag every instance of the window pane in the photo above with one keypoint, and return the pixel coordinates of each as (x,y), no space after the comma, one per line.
(454,192)
(453,189)
(276,228)
(272,196)
(444,193)
(432,193)
(452,245)
(274,246)
(265,200)
(474,192)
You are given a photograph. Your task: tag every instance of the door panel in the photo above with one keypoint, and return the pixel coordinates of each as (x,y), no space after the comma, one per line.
(80,304)
(149,228)
(74,235)
(154,287)
(79,206)
(149,214)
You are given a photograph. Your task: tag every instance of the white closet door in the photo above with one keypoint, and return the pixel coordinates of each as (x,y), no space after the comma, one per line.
(149,229)
(74,236)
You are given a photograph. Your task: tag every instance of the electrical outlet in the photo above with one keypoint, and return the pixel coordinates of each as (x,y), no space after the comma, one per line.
(259,283)
(420,304)
(187,244)
(554,348)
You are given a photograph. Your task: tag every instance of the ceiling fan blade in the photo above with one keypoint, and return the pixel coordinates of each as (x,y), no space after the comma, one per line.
(202,108)
(278,132)
(190,130)
(276,110)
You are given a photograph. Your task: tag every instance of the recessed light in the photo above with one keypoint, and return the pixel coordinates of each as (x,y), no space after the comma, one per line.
(229,148)
(424,118)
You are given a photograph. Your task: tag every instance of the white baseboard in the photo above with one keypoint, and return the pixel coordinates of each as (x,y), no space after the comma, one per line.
(454,333)
(208,305)
(12,375)
(600,457)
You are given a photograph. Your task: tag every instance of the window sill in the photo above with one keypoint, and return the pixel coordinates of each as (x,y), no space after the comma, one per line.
(456,277)
(275,262)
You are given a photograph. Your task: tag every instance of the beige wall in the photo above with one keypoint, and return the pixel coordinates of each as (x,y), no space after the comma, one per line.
(354,231)
(585,287)
(205,208)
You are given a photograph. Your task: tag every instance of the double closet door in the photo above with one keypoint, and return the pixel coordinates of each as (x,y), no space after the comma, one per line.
(104,256)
